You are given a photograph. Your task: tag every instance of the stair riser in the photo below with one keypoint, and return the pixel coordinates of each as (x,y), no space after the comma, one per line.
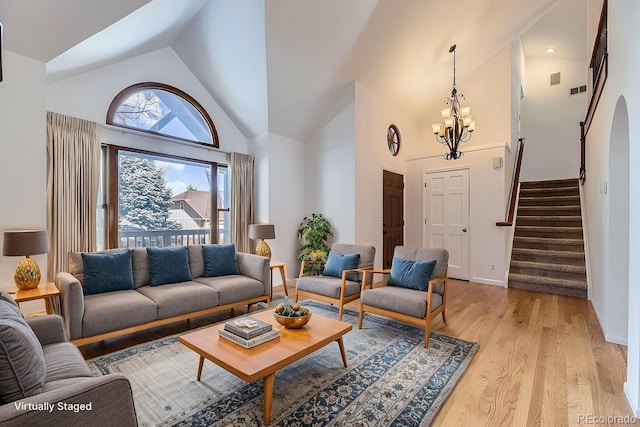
(548,211)
(549,201)
(549,259)
(578,293)
(550,274)
(548,221)
(550,245)
(564,234)
(571,182)
(548,192)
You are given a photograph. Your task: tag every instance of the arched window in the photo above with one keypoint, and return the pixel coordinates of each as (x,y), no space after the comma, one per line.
(162,110)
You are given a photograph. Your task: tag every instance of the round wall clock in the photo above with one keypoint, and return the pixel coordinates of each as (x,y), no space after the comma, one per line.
(393,140)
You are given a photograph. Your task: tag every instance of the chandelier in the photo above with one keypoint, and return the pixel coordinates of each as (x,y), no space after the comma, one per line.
(458,123)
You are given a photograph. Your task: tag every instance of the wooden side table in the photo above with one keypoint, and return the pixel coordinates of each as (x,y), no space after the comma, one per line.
(46,291)
(281,266)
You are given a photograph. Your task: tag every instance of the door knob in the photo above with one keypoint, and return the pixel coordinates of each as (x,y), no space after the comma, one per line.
(464,230)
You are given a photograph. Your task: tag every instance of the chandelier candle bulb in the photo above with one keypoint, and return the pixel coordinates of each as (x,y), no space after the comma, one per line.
(446,112)
(467,121)
(448,122)
(472,126)
(436,128)
(466,111)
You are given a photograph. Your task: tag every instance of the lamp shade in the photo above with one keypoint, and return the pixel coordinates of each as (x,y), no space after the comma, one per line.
(262,231)
(25,243)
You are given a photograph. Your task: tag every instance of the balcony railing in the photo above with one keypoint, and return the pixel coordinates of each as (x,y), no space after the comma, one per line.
(163,238)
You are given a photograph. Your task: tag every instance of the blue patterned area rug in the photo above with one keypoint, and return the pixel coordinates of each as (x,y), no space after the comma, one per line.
(392,380)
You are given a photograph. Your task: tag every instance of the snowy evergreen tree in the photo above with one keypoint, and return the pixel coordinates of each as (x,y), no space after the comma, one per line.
(145,197)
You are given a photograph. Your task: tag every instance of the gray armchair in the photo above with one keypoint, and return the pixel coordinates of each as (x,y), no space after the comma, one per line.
(337,290)
(401,302)
(44,380)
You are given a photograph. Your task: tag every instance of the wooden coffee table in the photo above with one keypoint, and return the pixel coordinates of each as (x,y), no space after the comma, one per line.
(265,359)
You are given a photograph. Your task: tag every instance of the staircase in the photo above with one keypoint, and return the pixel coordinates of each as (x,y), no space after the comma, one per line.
(548,250)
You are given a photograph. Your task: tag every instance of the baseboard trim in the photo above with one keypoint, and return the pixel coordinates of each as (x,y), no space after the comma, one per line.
(489,281)
(616,340)
(631,399)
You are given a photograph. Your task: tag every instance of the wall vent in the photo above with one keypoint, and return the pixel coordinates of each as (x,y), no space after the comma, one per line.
(577,90)
(554,79)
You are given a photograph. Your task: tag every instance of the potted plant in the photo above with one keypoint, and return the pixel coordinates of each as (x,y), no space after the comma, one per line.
(314,232)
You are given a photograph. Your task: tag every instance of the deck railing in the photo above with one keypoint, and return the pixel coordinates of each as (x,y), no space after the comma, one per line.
(163,238)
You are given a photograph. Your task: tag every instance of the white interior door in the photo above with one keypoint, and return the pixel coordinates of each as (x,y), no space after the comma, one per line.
(446,217)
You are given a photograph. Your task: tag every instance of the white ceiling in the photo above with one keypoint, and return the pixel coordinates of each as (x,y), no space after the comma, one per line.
(282,65)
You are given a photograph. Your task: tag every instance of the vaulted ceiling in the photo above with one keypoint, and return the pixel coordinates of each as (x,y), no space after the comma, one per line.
(281,65)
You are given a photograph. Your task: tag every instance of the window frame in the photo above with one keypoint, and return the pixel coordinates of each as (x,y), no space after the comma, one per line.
(126,92)
(112,190)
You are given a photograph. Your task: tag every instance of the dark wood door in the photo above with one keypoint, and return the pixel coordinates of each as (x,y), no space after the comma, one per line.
(392,215)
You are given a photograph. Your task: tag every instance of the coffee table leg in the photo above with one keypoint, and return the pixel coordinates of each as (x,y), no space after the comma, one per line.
(268,397)
(342,352)
(200,367)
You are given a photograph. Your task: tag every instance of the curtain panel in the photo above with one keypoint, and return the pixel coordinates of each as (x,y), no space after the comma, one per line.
(241,200)
(73,177)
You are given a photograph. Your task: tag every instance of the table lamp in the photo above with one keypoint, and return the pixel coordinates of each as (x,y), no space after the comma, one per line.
(261,232)
(26,243)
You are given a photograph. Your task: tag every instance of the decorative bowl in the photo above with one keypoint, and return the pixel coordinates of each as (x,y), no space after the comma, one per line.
(292,322)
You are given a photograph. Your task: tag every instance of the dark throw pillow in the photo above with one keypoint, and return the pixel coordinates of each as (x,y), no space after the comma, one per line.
(106,272)
(168,265)
(411,274)
(220,260)
(337,263)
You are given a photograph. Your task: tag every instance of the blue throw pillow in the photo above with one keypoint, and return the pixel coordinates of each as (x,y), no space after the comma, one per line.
(411,274)
(168,265)
(106,272)
(337,263)
(220,260)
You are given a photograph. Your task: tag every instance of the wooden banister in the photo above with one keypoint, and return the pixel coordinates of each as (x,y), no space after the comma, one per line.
(508,222)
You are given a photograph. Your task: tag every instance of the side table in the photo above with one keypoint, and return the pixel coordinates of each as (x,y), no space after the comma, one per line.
(46,291)
(280,266)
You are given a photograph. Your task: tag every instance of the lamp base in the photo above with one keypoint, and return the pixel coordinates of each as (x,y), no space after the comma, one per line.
(27,274)
(263,249)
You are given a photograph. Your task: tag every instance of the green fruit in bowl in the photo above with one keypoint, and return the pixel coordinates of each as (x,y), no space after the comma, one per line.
(292,310)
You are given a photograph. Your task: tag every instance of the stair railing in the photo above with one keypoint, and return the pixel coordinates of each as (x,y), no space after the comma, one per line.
(515,184)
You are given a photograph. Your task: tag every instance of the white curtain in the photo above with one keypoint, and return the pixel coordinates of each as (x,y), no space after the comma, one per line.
(241,200)
(73,176)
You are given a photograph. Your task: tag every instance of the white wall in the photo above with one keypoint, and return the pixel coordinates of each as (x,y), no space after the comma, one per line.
(280,195)
(161,66)
(624,60)
(551,119)
(23,155)
(329,179)
(486,206)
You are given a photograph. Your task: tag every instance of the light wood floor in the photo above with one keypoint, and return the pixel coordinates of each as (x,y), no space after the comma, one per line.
(542,358)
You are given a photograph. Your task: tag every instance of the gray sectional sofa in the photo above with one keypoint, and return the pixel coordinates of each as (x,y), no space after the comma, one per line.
(91,317)
(44,381)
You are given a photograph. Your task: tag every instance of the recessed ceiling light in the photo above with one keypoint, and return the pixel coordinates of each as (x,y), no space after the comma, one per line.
(551,49)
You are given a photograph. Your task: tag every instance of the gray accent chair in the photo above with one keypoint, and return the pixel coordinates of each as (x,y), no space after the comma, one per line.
(334,290)
(408,305)
(44,380)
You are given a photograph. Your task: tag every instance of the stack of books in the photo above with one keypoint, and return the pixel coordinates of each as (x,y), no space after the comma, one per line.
(248,332)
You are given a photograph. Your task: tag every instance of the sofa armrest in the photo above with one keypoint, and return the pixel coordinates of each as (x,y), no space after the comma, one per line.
(256,267)
(49,329)
(107,400)
(71,303)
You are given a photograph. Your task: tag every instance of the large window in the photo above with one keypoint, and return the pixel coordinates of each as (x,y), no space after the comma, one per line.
(159,201)
(162,110)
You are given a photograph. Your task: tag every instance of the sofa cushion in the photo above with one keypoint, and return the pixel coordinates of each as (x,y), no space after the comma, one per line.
(220,260)
(196,261)
(180,298)
(233,288)
(63,360)
(22,366)
(116,310)
(400,300)
(337,263)
(328,286)
(411,274)
(140,264)
(106,272)
(75,262)
(168,265)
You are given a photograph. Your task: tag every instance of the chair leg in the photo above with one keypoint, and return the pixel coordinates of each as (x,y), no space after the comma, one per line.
(340,306)
(427,330)
(444,320)
(296,297)
(360,317)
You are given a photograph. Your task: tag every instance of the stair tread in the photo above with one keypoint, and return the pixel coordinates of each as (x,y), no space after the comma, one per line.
(549,253)
(547,240)
(564,283)
(558,228)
